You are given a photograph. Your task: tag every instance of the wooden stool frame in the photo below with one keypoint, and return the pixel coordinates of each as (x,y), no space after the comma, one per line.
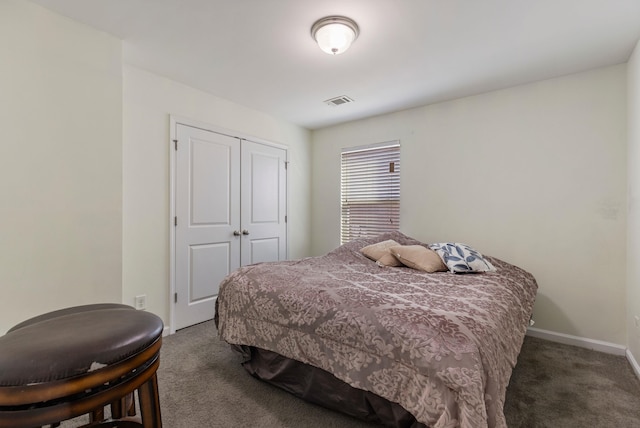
(46,403)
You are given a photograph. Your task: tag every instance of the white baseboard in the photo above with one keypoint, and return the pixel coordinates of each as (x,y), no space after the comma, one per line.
(634,363)
(166,331)
(582,342)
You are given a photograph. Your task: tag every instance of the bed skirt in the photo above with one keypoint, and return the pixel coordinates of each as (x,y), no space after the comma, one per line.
(321,387)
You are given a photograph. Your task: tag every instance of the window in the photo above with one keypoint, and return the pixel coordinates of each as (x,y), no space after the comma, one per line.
(370,190)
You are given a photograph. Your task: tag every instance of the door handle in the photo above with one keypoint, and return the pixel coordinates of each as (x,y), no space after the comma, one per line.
(236,233)
(245,232)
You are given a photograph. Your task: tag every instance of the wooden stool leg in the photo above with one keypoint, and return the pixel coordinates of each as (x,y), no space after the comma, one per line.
(118,408)
(97,415)
(131,404)
(150,403)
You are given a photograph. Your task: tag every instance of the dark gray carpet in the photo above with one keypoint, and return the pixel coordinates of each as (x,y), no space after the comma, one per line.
(556,385)
(203,385)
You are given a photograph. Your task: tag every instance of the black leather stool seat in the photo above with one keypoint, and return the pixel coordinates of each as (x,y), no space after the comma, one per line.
(74,361)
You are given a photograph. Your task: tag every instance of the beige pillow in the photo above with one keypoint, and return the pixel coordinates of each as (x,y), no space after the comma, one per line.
(388,260)
(379,252)
(419,257)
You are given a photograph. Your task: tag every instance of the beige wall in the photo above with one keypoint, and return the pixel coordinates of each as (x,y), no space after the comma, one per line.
(149,100)
(85,178)
(535,175)
(633,238)
(86,167)
(61,163)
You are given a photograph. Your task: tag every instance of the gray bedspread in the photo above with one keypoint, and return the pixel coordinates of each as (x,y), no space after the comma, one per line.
(442,345)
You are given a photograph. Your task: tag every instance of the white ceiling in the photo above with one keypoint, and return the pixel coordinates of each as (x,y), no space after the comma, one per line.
(259,53)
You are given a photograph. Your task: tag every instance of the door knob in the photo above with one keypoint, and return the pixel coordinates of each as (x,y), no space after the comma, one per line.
(236,233)
(245,232)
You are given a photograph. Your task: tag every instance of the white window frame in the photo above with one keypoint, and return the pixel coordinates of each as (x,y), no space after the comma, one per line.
(369,190)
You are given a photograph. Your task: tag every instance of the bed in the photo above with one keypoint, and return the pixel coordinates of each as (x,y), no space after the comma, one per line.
(392,345)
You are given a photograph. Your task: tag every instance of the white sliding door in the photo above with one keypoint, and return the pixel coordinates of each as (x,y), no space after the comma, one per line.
(208,213)
(230,205)
(263,204)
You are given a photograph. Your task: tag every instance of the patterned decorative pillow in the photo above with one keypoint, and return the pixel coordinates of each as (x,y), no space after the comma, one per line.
(379,252)
(461,258)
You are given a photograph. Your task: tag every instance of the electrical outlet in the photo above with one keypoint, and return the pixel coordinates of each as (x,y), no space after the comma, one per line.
(141,302)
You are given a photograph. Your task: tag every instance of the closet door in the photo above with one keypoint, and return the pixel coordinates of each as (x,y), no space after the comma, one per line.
(207,215)
(263,203)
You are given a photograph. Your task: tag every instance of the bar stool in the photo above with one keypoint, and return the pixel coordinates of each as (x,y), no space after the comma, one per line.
(75,361)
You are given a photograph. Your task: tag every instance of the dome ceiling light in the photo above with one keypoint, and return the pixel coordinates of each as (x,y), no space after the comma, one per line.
(334,34)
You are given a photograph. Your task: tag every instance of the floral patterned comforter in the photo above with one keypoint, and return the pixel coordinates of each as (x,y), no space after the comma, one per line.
(442,345)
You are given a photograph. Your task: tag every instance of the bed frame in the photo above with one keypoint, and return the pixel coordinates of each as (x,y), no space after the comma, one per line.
(321,387)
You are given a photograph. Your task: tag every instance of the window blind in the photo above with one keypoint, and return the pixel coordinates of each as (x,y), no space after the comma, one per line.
(370,190)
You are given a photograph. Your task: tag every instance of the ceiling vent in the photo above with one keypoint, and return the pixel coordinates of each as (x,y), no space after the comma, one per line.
(337,101)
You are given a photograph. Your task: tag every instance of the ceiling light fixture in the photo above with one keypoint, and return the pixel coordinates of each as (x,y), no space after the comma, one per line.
(334,34)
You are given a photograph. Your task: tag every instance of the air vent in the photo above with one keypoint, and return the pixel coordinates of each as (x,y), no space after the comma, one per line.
(337,101)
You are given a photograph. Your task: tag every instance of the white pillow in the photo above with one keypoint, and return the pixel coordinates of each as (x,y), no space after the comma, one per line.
(461,258)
